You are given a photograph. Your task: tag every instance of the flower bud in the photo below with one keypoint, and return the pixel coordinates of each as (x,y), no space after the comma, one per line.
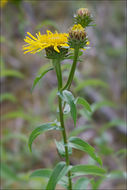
(83,17)
(77,36)
(77,32)
(83,12)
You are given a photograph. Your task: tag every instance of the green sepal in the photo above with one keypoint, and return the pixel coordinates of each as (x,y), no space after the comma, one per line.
(77,43)
(52,54)
(85,20)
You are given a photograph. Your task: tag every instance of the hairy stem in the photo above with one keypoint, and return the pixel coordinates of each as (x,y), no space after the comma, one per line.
(72,72)
(59,79)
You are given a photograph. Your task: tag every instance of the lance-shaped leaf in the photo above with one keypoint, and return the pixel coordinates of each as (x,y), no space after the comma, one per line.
(37,79)
(59,171)
(79,144)
(87,170)
(84,103)
(41,129)
(45,173)
(68,97)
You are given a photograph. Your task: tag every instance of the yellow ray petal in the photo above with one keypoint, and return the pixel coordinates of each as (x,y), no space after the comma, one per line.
(56,49)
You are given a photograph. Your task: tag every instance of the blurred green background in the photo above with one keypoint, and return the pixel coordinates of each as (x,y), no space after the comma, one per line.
(100,78)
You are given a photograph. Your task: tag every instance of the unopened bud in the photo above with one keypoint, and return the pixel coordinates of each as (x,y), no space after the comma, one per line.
(83,12)
(77,32)
(83,17)
(77,36)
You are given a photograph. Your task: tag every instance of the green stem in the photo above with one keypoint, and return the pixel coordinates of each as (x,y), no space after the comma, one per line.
(73,68)
(56,64)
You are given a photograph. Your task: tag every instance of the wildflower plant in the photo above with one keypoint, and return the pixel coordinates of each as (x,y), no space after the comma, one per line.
(57,47)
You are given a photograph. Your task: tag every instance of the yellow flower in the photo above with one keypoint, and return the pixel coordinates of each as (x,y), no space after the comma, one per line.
(3,3)
(40,42)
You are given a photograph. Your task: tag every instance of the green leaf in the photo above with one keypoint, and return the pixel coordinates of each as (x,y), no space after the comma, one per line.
(61,148)
(45,173)
(11,73)
(81,183)
(7,172)
(87,170)
(83,102)
(37,79)
(7,96)
(67,97)
(90,82)
(79,144)
(59,171)
(78,130)
(41,129)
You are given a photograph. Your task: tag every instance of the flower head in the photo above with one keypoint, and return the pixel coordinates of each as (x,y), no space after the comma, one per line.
(53,40)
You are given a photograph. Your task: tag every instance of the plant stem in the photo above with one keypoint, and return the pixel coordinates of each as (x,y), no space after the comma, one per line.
(56,64)
(73,68)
